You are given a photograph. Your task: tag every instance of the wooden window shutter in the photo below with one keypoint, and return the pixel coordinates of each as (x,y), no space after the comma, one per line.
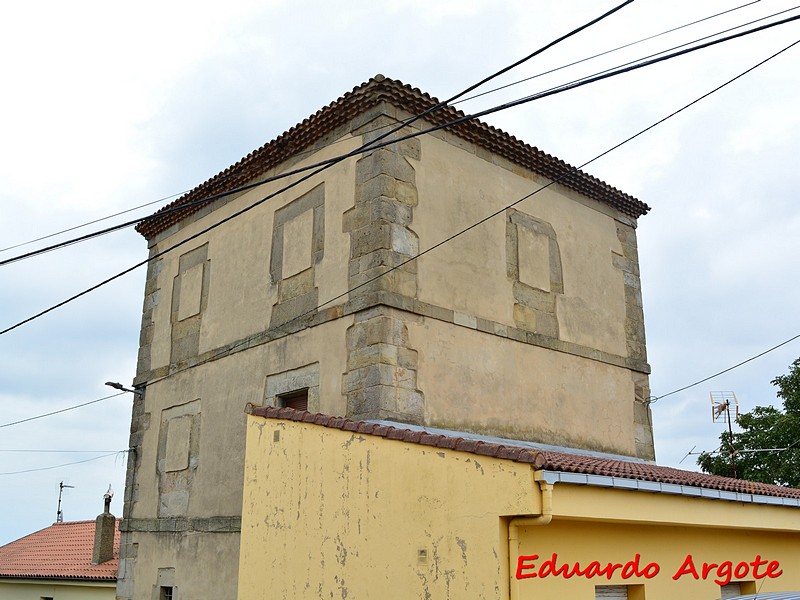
(297,400)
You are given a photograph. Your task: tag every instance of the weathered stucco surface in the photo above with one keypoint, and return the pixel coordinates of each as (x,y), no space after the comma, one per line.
(529,326)
(475,381)
(357,517)
(365,516)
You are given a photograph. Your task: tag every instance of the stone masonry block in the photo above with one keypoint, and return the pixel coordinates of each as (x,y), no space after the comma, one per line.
(381,185)
(387,330)
(465,320)
(389,210)
(357,217)
(410,403)
(404,241)
(380,375)
(406,193)
(353,380)
(384,162)
(525,317)
(407,358)
(368,239)
(372,355)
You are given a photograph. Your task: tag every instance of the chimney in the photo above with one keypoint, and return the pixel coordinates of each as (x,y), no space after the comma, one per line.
(104,530)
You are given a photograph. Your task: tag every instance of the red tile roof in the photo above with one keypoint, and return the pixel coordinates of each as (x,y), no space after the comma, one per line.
(61,551)
(546,460)
(362,98)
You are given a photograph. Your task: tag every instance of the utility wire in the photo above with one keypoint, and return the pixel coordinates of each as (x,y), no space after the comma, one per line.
(77,462)
(557,89)
(23,450)
(55,412)
(451,101)
(394,140)
(628,45)
(325,164)
(131,223)
(376,143)
(285,326)
(653,399)
(122,212)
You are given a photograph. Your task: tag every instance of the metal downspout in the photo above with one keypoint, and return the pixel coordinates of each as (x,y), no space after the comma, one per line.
(514,525)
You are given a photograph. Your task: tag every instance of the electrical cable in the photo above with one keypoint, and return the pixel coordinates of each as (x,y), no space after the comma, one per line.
(628,45)
(246,341)
(638,61)
(620,69)
(55,412)
(371,144)
(654,399)
(23,450)
(452,101)
(327,164)
(77,462)
(302,153)
(73,228)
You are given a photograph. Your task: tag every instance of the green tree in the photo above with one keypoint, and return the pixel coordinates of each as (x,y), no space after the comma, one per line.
(767,449)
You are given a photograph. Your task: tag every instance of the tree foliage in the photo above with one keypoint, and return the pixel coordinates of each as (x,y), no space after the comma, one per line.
(772,431)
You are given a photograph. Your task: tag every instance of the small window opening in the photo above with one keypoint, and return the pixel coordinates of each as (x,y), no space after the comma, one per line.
(165,593)
(737,588)
(611,592)
(297,400)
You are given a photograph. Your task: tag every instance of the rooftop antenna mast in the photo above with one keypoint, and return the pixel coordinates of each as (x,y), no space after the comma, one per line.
(60,514)
(721,405)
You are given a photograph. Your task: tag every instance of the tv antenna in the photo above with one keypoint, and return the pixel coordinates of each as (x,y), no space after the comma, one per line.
(60,514)
(722,404)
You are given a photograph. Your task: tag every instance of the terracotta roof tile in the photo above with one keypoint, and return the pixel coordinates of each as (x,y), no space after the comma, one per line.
(61,551)
(362,98)
(542,459)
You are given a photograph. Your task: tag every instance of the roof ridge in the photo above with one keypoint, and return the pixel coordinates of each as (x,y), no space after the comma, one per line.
(541,459)
(359,99)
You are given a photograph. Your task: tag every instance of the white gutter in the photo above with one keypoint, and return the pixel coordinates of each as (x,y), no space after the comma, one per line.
(553,477)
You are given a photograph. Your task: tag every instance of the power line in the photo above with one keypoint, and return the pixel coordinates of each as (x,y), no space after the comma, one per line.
(73,228)
(450,101)
(69,464)
(55,412)
(654,399)
(25,450)
(373,145)
(249,339)
(301,153)
(325,164)
(628,45)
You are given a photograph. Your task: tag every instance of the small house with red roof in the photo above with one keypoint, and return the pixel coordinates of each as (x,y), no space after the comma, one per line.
(75,560)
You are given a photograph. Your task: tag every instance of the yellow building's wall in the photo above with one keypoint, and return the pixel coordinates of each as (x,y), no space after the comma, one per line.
(16,589)
(330,513)
(667,547)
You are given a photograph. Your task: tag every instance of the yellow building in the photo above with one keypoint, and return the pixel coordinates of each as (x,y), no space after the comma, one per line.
(379,510)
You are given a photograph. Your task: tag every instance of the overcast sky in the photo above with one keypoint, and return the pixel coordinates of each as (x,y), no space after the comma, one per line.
(109,106)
